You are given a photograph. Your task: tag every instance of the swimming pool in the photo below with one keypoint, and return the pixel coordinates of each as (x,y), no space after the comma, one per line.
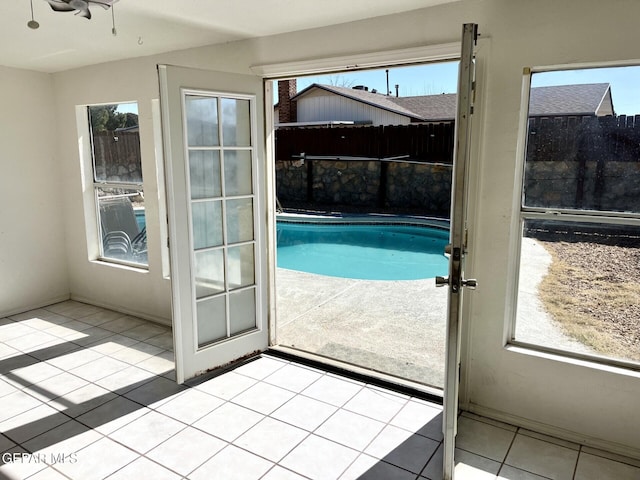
(372,251)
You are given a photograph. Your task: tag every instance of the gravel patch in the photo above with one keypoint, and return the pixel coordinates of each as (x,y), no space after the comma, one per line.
(596,285)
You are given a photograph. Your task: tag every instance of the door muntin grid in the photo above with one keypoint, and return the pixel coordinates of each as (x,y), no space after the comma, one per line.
(221,169)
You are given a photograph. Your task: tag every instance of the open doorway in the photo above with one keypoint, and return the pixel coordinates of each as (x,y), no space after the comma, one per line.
(363,166)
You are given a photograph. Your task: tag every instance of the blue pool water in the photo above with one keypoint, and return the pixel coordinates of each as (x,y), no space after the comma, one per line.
(140,218)
(368,252)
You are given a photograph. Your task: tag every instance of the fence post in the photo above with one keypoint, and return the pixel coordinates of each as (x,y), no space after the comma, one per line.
(581,158)
(309,180)
(382,185)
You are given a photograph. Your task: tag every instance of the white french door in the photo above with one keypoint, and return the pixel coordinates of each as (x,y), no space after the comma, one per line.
(213,129)
(457,248)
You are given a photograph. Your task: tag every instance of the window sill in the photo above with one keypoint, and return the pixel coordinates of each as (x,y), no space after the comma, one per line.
(604,364)
(123,266)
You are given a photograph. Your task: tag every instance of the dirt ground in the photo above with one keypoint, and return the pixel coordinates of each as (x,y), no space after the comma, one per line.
(593,290)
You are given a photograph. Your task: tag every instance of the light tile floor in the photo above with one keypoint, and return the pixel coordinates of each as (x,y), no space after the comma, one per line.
(87,393)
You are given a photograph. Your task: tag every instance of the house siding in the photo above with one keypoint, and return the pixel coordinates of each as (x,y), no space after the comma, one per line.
(323,106)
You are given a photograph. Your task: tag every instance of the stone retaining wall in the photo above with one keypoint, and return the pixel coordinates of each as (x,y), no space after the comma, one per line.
(602,185)
(369,184)
(420,186)
(426,188)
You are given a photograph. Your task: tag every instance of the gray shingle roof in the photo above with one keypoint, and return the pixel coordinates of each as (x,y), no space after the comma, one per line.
(583,99)
(430,107)
(375,99)
(567,99)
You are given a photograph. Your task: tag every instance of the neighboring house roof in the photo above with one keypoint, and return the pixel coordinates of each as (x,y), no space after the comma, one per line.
(584,99)
(375,99)
(581,99)
(430,107)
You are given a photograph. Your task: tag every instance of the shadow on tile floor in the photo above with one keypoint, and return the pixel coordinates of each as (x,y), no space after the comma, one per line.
(86,393)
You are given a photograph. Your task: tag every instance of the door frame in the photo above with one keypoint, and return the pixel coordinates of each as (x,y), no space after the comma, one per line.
(427,54)
(364,61)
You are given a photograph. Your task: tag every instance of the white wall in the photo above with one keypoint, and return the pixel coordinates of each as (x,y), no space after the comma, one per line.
(32,255)
(134,291)
(580,401)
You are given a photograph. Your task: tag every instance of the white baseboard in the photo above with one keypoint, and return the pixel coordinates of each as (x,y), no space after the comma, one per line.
(34,305)
(553,431)
(127,311)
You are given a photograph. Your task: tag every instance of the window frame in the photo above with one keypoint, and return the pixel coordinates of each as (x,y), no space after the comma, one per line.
(523,213)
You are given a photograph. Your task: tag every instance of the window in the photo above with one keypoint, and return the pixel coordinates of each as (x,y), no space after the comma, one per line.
(578,285)
(117,183)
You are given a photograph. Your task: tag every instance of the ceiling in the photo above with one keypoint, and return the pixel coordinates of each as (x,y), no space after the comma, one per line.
(145,27)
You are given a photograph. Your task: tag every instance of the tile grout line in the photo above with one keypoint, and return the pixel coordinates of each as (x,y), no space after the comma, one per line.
(575,467)
(503,463)
(440,444)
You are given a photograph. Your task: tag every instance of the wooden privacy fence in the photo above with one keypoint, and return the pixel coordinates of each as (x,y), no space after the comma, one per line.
(572,162)
(430,142)
(570,138)
(584,162)
(550,139)
(117,156)
(405,167)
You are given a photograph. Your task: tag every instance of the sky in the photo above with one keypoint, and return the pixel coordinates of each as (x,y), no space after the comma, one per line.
(433,79)
(430,79)
(131,107)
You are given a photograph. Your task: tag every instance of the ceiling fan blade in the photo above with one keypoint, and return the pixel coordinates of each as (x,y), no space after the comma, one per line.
(103,3)
(60,6)
(84,13)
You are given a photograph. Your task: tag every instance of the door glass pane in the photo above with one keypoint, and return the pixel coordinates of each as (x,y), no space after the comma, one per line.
(242,310)
(204,173)
(202,121)
(237,172)
(219,266)
(241,266)
(207,224)
(212,321)
(239,220)
(209,272)
(236,123)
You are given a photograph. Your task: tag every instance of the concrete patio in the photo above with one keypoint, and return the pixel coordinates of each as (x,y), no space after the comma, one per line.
(396,327)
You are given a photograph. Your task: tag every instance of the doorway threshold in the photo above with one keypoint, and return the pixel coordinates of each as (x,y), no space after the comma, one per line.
(359,373)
